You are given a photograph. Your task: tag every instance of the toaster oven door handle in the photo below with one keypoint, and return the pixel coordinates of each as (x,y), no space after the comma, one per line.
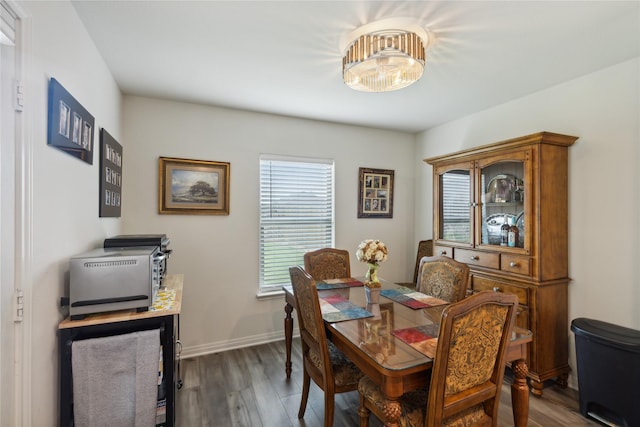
(109,300)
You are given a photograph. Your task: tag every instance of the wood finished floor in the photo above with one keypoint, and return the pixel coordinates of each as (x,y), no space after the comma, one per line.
(247,388)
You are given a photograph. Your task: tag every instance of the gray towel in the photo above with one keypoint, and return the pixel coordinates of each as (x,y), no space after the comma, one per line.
(115,380)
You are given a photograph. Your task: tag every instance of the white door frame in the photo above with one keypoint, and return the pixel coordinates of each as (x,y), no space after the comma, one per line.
(20,227)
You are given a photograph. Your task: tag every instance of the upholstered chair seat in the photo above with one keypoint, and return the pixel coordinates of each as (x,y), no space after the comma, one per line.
(413,406)
(345,373)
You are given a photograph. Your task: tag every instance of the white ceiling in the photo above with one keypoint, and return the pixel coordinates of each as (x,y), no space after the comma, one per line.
(283,57)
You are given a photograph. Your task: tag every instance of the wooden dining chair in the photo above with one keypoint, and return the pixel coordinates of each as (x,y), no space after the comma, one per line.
(468,368)
(328,263)
(443,277)
(425,248)
(329,368)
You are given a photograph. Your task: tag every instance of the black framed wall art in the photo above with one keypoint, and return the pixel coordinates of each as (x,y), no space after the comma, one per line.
(70,125)
(110,175)
(375,195)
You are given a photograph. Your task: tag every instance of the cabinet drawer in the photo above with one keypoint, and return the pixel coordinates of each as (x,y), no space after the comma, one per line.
(482,259)
(515,264)
(482,284)
(443,251)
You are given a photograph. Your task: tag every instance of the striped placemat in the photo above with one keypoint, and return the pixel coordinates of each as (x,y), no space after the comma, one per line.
(347,282)
(422,338)
(410,298)
(336,308)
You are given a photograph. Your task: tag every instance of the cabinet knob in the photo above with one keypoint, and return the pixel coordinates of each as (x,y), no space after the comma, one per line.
(496,289)
(513,264)
(443,253)
(475,258)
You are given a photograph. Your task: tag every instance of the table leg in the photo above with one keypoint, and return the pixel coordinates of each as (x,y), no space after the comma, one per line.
(520,393)
(288,334)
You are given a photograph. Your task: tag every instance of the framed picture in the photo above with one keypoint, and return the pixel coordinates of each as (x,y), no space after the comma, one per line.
(196,187)
(110,175)
(375,196)
(70,126)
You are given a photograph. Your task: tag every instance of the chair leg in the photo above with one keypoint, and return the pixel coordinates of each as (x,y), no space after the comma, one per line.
(329,405)
(306,383)
(364,413)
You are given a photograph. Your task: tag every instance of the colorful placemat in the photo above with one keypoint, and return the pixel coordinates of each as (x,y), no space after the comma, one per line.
(422,338)
(164,300)
(348,282)
(410,298)
(336,308)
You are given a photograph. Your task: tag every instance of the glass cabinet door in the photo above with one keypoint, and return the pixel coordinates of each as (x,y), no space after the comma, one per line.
(455,192)
(502,194)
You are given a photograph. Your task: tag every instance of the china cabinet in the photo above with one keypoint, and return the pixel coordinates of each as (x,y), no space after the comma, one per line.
(523,182)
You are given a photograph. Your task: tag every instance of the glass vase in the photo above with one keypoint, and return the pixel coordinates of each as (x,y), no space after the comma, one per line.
(372,294)
(372,274)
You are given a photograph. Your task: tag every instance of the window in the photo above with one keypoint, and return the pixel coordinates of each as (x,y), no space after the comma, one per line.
(296,214)
(456,216)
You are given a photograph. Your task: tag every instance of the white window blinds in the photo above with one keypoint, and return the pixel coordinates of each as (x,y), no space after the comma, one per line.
(7,25)
(296,214)
(456,198)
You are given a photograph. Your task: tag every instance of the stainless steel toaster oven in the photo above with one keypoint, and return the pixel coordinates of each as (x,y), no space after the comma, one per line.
(109,279)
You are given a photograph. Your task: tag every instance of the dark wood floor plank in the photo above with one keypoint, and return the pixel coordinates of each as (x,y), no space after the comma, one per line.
(292,404)
(189,371)
(235,369)
(270,408)
(191,409)
(214,393)
(243,409)
(248,387)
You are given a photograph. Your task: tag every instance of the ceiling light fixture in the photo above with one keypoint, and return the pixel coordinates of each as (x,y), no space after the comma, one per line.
(384,55)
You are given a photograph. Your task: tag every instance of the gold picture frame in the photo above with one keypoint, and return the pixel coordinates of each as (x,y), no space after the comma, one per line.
(375,195)
(193,187)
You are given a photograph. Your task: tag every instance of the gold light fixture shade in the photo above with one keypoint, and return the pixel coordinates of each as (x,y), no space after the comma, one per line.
(384,60)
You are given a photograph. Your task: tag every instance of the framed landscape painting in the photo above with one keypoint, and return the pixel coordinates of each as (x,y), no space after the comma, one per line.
(375,195)
(196,187)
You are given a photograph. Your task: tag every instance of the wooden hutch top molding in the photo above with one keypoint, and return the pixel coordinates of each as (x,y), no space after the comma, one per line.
(535,138)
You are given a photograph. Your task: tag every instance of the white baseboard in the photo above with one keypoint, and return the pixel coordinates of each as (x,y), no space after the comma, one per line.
(220,346)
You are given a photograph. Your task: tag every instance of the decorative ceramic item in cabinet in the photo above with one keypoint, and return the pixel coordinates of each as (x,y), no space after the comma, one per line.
(521,181)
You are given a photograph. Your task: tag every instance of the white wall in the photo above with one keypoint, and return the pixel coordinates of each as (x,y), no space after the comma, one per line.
(63,189)
(219,254)
(603,110)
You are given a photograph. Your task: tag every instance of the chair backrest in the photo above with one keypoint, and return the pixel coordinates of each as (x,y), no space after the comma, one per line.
(315,350)
(425,248)
(327,263)
(443,277)
(469,363)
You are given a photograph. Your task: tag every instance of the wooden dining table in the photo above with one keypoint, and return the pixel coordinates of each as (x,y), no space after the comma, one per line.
(393,364)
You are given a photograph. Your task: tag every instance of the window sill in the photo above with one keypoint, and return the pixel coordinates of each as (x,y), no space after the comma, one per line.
(261,295)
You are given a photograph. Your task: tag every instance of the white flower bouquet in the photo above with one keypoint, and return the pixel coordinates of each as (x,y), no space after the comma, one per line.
(372,252)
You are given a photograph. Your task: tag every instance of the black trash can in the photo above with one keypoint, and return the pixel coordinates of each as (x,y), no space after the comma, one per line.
(608,359)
